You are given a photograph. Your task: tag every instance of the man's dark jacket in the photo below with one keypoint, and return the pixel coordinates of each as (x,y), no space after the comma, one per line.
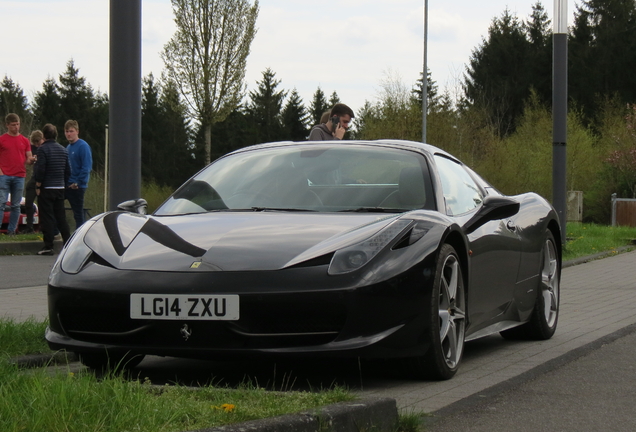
(52,168)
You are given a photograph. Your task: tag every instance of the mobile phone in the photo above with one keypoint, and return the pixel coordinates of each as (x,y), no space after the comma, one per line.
(335,121)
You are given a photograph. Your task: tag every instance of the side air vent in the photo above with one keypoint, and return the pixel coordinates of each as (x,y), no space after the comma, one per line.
(404,241)
(413,235)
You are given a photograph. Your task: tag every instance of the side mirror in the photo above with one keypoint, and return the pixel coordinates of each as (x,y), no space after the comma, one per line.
(493,208)
(138,205)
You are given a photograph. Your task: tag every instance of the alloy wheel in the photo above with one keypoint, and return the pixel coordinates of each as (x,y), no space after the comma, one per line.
(550,283)
(452,316)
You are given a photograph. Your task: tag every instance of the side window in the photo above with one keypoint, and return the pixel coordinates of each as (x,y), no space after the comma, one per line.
(460,191)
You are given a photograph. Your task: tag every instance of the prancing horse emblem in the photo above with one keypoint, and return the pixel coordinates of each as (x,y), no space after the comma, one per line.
(186,332)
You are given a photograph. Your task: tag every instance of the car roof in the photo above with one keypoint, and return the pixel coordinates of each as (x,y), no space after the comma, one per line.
(395,143)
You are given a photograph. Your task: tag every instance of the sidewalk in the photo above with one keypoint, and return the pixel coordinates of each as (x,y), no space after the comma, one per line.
(20,304)
(597,300)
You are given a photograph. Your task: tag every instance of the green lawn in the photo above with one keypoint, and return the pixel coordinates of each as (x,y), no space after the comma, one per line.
(41,400)
(588,239)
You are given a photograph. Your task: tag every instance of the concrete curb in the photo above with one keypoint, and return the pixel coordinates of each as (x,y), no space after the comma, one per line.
(40,360)
(599,255)
(369,414)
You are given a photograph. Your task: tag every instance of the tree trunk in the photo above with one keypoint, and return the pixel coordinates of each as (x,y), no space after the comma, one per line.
(208,143)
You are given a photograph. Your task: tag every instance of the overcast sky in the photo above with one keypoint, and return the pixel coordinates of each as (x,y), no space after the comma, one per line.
(346,46)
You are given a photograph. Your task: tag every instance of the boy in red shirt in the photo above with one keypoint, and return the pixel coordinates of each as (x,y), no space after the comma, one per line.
(15,151)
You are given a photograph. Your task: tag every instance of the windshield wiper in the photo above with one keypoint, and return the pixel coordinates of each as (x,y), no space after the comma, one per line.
(260,209)
(374,210)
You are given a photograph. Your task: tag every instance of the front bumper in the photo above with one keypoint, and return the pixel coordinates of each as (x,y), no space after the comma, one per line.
(300,311)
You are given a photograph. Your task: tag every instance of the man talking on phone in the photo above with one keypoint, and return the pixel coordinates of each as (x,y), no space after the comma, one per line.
(335,128)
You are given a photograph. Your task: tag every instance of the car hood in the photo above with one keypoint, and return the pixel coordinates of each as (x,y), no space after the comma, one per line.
(227,241)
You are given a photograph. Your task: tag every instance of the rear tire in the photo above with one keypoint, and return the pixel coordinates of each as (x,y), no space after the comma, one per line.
(545,316)
(447,321)
(109,361)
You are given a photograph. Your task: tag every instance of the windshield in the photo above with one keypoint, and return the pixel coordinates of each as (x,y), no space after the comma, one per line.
(316,177)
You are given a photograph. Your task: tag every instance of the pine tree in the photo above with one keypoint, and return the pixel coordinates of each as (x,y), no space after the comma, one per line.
(47,106)
(166,149)
(79,102)
(602,53)
(496,78)
(151,127)
(333,99)
(13,100)
(431,91)
(539,61)
(295,118)
(318,106)
(235,132)
(177,155)
(265,108)
(77,97)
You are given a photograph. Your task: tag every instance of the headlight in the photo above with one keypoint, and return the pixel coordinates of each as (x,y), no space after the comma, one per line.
(76,252)
(353,257)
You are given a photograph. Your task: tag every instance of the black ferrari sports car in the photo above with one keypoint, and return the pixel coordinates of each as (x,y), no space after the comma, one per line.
(376,249)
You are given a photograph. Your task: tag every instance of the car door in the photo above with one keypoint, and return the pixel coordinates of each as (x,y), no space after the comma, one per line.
(495,247)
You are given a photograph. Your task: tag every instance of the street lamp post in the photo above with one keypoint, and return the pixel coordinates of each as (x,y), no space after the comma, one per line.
(425,74)
(124,123)
(560,111)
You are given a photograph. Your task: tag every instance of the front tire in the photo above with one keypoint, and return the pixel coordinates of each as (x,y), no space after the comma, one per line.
(447,321)
(545,316)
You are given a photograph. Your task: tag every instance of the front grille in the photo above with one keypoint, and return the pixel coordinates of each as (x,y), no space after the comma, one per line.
(267,321)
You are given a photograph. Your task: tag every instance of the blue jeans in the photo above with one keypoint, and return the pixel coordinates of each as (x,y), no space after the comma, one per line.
(75,198)
(14,186)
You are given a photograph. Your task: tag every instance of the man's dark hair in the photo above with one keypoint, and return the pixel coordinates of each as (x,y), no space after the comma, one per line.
(49,131)
(341,109)
(11,118)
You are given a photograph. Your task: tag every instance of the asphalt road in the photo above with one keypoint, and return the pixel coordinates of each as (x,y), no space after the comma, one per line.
(25,270)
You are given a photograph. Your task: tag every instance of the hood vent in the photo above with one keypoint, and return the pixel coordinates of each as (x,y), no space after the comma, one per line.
(315,262)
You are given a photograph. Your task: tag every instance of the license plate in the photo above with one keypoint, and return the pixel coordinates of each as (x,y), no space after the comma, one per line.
(36,220)
(184,307)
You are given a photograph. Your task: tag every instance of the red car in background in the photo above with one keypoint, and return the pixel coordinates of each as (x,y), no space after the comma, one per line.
(22,222)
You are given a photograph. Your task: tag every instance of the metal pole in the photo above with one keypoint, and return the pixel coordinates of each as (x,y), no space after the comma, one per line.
(425,74)
(560,111)
(106,173)
(125,102)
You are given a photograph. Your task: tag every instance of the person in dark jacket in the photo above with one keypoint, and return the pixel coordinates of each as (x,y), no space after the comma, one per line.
(36,139)
(339,121)
(52,171)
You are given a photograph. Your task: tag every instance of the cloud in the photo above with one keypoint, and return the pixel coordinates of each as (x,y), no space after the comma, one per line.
(344,46)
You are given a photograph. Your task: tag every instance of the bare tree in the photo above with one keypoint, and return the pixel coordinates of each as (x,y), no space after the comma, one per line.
(207,55)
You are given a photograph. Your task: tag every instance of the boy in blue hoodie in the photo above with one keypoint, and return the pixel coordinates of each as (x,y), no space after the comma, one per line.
(81,160)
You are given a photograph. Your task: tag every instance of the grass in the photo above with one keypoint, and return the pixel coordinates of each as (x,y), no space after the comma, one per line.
(60,400)
(38,400)
(584,239)
(154,194)
(21,237)
(20,338)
